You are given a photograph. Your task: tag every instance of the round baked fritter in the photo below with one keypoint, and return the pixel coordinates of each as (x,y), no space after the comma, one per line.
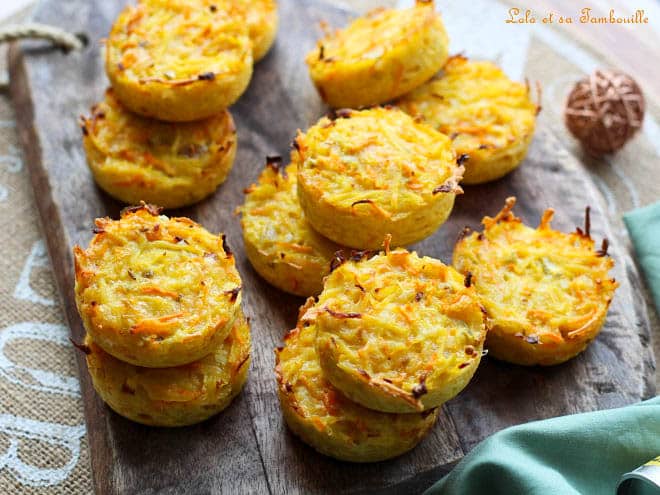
(176,60)
(398,333)
(546,292)
(177,396)
(136,158)
(325,419)
(379,57)
(156,291)
(370,173)
(260,16)
(262,21)
(279,242)
(490,118)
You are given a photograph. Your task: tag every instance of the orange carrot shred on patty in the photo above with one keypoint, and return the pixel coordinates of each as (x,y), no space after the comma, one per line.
(161,327)
(152,290)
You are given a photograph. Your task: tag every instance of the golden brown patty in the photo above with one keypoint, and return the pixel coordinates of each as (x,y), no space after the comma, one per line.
(156,291)
(176,60)
(137,159)
(490,118)
(177,396)
(379,57)
(260,16)
(262,21)
(279,242)
(324,418)
(546,292)
(398,333)
(370,173)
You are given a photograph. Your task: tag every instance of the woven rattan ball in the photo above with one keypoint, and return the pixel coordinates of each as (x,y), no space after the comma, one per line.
(604,111)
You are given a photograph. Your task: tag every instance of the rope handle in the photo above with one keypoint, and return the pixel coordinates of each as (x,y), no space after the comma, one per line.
(59,37)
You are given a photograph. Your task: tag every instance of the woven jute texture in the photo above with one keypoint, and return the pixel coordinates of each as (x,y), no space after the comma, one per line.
(42,437)
(43,448)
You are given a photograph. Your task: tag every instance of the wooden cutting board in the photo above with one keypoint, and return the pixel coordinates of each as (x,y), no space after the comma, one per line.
(247,448)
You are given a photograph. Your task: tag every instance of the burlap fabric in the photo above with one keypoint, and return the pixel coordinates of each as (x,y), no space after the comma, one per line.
(42,437)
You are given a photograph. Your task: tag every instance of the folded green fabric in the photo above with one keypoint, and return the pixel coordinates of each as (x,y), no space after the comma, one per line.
(578,454)
(644,229)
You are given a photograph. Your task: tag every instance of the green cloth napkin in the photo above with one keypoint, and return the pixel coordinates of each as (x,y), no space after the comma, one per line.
(579,454)
(644,229)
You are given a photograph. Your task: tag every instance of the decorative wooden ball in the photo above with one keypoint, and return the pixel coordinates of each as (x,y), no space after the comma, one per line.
(604,111)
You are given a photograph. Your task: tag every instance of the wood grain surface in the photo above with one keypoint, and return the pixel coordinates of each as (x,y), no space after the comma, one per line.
(247,448)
